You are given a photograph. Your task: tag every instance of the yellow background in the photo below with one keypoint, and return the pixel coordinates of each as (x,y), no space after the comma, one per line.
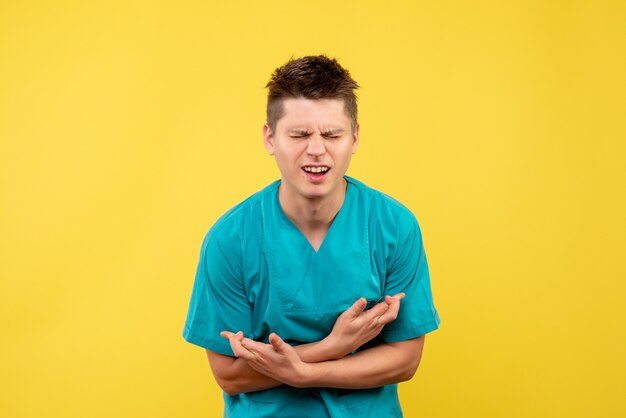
(128,127)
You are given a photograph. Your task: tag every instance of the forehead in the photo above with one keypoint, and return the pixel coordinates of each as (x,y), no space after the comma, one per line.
(299,112)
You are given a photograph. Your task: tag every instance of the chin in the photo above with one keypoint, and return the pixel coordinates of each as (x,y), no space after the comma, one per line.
(319,190)
(314,194)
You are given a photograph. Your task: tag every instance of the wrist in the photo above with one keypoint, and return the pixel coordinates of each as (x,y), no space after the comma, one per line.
(306,375)
(333,348)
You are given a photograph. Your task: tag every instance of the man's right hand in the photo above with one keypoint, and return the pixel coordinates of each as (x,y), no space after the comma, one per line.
(355,327)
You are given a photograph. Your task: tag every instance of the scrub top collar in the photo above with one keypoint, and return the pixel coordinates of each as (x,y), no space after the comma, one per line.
(337,219)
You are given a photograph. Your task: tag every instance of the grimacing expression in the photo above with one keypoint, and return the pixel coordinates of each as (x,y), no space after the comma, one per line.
(313,143)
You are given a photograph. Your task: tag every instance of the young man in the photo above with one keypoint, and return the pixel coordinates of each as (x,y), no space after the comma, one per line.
(312,297)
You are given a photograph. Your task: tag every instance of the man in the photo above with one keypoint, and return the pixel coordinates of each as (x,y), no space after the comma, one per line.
(312,297)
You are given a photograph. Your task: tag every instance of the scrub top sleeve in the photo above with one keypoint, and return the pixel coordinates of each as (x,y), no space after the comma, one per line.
(409,274)
(218,300)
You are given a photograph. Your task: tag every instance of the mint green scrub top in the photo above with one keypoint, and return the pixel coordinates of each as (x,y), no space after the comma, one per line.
(259,274)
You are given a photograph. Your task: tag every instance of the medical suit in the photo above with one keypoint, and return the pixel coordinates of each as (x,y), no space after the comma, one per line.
(259,274)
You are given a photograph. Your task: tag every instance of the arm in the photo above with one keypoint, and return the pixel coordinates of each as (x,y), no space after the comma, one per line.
(234,375)
(353,328)
(381,365)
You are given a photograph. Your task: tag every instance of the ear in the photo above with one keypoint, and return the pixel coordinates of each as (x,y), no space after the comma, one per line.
(268,139)
(355,138)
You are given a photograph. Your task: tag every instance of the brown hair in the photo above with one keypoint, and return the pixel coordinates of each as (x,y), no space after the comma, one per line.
(310,77)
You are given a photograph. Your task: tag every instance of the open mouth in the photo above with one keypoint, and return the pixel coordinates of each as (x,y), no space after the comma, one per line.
(316,172)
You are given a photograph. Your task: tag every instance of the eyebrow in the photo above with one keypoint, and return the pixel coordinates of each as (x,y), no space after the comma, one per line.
(303,131)
(331,132)
(299,131)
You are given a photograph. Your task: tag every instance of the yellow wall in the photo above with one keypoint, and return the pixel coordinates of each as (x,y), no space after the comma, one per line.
(128,127)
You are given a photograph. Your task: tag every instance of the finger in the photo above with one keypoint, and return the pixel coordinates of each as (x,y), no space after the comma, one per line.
(392,313)
(398,296)
(376,311)
(394,299)
(240,351)
(227,334)
(277,342)
(357,307)
(252,345)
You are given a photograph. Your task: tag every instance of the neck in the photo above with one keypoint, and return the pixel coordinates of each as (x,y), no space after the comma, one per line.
(311,214)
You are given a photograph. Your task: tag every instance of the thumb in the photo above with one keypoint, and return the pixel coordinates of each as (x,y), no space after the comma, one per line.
(399,296)
(357,307)
(226,334)
(277,342)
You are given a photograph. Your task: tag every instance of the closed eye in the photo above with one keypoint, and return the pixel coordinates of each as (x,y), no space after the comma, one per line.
(333,134)
(299,134)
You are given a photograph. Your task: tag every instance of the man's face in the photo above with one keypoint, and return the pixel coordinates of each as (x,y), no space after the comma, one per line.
(313,143)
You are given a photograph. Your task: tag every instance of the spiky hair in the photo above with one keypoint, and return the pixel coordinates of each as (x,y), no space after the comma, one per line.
(310,77)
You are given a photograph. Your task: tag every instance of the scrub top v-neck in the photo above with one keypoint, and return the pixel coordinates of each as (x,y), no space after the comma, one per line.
(322,281)
(259,274)
(289,225)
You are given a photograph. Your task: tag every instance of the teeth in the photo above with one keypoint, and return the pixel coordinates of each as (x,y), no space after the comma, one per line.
(316,169)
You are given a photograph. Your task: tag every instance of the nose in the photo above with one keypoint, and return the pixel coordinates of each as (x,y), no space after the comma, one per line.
(316,145)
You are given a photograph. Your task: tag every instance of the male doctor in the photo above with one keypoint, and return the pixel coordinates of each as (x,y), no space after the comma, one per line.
(312,297)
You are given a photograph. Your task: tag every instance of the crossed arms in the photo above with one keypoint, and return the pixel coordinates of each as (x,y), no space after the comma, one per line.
(326,363)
